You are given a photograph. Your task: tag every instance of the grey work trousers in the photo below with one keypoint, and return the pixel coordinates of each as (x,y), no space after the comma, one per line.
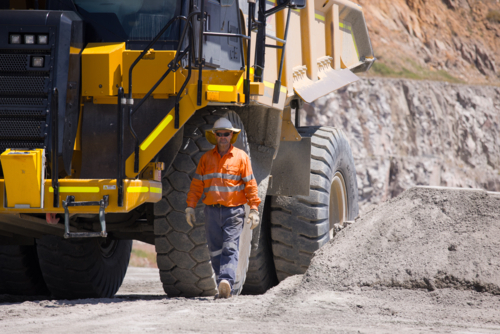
(223,227)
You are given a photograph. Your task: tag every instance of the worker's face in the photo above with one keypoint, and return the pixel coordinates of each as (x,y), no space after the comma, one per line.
(223,137)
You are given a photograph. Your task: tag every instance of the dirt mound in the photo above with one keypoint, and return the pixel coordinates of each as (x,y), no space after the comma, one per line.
(424,238)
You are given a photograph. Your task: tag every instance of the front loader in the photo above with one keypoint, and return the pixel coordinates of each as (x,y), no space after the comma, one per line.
(103,112)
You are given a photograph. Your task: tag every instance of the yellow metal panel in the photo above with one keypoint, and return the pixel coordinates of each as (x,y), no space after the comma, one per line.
(309,54)
(152,171)
(143,191)
(102,69)
(230,88)
(227,83)
(166,129)
(271,85)
(333,36)
(350,54)
(213,96)
(240,82)
(267,98)
(23,177)
(148,70)
(156,132)
(293,53)
(257,88)
(78,143)
(319,28)
(288,130)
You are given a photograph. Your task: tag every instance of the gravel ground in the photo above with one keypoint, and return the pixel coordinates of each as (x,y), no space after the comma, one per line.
(425,238)
(339,293)
(140,306)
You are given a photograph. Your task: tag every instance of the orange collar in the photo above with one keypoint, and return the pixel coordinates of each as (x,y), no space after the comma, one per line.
(216,151)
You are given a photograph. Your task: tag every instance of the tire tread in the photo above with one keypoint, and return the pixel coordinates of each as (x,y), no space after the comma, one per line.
(306,217)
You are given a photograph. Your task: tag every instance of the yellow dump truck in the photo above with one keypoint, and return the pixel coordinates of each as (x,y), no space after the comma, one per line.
(103,107)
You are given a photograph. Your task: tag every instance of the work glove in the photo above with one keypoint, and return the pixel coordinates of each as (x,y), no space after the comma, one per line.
(253,218)
(190,218)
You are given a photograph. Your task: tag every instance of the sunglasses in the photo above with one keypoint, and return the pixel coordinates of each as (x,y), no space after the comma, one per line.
(222,134)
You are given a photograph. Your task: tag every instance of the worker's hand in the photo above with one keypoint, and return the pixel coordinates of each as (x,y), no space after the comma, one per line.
(190,218)
(253,218)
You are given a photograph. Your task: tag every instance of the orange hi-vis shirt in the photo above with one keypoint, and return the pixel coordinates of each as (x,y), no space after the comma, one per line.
(226,180)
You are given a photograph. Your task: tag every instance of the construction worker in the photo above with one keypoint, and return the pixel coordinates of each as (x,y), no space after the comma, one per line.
(224,181)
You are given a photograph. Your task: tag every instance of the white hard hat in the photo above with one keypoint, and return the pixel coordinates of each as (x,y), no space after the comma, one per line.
(221,124)
(224,124)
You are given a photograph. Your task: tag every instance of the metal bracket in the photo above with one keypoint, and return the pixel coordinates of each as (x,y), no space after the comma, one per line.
(70,201)
(288,130)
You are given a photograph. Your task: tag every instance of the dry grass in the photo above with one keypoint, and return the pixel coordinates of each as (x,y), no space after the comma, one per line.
(143,255)
(411,70)
(493,16)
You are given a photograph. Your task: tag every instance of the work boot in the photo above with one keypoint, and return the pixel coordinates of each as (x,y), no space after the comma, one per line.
(224,289)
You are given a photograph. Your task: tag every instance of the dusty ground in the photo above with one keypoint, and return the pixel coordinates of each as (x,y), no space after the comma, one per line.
(386,273)
(140,306)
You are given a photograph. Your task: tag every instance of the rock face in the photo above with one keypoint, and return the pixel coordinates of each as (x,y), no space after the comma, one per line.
(457,39)
(423,239)
(405,133)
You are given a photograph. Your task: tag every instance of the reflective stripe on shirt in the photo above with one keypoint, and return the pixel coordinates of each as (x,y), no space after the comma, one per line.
(224,189)
(221,176)
(248,178)
(217,176)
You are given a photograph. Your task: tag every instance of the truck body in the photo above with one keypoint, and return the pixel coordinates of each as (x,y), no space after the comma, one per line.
(103,107)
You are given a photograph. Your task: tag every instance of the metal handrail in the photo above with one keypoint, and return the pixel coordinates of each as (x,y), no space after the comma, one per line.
(201,61)
(276,9)
(145,51)
(172,64)
(225,34)
(121,140)
(277,84)
(276,38)
(173,67)
(55,146)
(178,97)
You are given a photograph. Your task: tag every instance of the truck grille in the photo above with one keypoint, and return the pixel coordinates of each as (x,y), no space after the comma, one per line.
(24,96)
(22,101)
(23,85)
(22,128)
(13,62)
(20,112)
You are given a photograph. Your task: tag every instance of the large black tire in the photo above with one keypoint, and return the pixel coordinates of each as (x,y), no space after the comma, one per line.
(83,268)
(261,274)
(20,272)
(303,224)
(182,252)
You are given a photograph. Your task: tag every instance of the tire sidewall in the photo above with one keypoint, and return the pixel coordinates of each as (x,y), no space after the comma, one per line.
(61,262)
(345,165)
